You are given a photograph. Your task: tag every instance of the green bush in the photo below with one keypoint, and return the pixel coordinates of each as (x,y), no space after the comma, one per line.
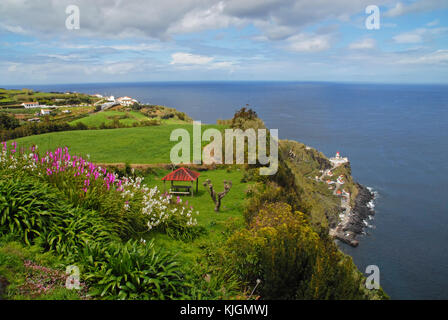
(36,214)
(24,208)
(281,249)
(131,271)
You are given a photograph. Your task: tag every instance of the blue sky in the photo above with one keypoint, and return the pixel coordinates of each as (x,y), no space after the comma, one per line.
(182,40)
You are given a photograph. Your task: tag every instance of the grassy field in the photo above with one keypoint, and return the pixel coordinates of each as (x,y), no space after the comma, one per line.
(141,145)
(107,117)
(214,222)
(16,97)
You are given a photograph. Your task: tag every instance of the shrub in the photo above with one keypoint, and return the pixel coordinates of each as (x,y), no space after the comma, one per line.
(131,271)
(35,213)
(281,249)
(7,122)
(24,209)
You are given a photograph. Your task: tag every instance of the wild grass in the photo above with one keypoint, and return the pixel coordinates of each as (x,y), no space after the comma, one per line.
(107,117)
(143,145)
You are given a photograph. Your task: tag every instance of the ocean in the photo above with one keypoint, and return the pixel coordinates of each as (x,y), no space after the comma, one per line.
(396,138)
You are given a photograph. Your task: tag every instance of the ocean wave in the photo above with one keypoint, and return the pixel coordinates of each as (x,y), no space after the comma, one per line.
(371,204)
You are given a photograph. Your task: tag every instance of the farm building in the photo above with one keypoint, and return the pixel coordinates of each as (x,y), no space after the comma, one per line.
(31,104)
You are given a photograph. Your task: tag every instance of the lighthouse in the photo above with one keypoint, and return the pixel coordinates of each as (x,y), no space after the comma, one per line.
(337,160)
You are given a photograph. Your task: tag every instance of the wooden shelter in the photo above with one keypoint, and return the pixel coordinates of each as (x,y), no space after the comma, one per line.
(182,174)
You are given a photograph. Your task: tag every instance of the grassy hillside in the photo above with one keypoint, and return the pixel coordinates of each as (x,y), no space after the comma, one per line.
(134,145)
(107,117)
(16,97)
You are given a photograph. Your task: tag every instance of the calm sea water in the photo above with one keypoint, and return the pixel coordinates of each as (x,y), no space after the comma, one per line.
(394,135)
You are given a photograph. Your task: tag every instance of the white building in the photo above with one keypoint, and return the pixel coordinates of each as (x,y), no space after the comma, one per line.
(337,160)
(126,101)
(110,99)
(29,105)
(44,112)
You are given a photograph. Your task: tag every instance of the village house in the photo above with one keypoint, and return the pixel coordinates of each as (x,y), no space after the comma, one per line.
(126,101)
(29,105)
(44,112)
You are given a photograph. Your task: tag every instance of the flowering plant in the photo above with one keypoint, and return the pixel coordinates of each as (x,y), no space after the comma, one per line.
(127,202)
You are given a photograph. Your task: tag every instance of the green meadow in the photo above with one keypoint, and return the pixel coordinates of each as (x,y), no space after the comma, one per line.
(142,145)
(107,117)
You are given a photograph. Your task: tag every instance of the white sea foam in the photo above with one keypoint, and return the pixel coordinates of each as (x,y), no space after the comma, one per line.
(371,204)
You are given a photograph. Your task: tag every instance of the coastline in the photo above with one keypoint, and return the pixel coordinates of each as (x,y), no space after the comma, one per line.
(357,220)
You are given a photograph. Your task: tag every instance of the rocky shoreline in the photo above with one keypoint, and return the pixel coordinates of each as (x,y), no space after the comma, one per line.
(358,218)
(361,211)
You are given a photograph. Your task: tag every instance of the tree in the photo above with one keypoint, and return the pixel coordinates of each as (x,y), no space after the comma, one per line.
(217,197)
(7,122)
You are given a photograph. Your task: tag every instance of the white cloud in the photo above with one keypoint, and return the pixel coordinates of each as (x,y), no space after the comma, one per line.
(308,43)
(437,57)
(190,59)
(433,23)
(363,44)
(163,19)
(408,37)
(418,6)
(419,35)
(13,29)
(398,10)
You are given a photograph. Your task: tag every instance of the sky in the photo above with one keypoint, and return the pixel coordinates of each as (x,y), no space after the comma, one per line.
(230,40)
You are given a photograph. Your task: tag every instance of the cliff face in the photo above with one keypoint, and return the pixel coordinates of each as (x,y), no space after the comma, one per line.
(341,209)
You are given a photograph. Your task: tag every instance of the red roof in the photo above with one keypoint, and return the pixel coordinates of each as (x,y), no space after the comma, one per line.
(182,174)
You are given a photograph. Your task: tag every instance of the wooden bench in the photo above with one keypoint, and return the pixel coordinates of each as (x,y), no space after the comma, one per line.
(176,190)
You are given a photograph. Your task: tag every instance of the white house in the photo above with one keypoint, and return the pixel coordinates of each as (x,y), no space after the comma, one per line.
(44,112)
(337,160)
(110,99)
(31,104)
(126,101)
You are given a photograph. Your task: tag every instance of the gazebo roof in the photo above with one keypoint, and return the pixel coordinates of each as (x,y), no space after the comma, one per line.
(182,174)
